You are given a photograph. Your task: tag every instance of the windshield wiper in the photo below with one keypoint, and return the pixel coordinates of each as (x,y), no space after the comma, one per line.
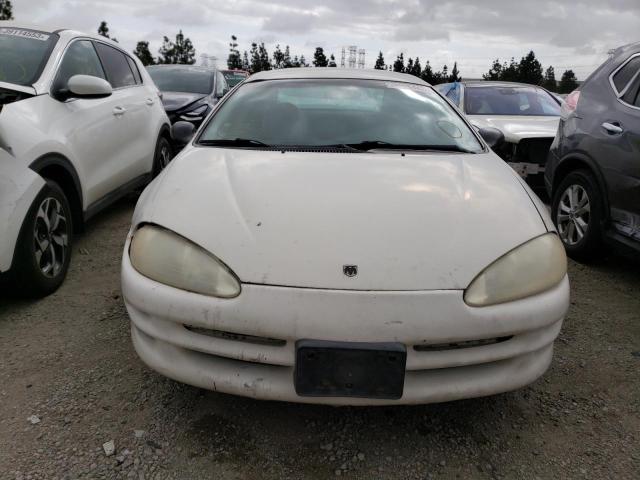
(233,142)
(380,145)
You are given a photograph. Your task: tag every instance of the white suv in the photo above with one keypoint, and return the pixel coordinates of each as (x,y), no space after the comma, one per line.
(81,124)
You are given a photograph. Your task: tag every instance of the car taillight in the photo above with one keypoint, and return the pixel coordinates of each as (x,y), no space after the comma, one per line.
(570,104)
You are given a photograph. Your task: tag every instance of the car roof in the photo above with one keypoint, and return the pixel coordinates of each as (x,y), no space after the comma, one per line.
(494,83)
(64,33)
(333,72)
(182,66)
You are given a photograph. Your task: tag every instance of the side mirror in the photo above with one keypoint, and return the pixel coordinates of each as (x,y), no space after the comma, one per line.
(182,133)
(86,86)
(492,136)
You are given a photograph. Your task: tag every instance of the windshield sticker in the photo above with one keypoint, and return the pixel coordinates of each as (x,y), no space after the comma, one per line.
(16,32)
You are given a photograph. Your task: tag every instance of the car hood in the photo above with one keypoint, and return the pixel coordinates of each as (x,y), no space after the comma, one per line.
(515,127)
(173,101)
(414,222)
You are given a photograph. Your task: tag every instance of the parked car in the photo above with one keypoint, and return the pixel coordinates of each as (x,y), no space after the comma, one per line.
(350,239)
(593,173)
(234,77)
(188,92)
(527,115)
(81,125)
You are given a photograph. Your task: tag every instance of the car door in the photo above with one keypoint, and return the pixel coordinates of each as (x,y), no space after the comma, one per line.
(88,127)
(133,158)
(620,149)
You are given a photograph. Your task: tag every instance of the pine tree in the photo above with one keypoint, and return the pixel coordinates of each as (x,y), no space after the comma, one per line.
(319,58)
(143,53)
(6,10)
(278,57)
(264,57)
(245,61)
(303,61)
(233,60)
(427,73)
(398,65)
(286,61)
(417,68)
(103,29)
(332,61)
(380,62)
(181,51)
(455,73)
(568,82)
(549,81)
(511,71)
(256,63)
(530,69)
(409,67)
(495,72)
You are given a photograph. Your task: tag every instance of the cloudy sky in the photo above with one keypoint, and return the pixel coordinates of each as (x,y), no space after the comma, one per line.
(566,34)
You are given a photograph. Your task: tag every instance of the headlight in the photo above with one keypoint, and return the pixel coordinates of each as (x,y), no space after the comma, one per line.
(531,268)
(168,258)
(195,114)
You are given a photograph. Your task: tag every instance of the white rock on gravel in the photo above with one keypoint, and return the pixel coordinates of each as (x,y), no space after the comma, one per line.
(109,448)
(34,419)
(138,433)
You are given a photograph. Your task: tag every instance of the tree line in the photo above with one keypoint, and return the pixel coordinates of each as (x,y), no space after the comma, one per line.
(529,70)
(181,50)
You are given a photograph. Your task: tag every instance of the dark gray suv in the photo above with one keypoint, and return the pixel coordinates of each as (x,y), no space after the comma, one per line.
(593,169)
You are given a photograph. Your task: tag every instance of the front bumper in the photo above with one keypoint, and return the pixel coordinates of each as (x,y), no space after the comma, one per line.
(251,351)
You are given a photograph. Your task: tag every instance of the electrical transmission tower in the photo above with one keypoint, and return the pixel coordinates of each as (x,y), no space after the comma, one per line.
(353,50)
(361,54)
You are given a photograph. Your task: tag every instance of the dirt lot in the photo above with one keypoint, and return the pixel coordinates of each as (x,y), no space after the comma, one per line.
(68,360)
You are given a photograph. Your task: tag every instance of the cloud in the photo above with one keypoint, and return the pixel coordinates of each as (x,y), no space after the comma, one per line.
(563,33)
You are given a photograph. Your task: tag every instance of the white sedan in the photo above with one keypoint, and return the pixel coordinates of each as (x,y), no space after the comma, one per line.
(343,237)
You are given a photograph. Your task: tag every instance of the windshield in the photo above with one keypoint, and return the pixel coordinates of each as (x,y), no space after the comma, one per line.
(368,114)
(23,54)
(234,78)
(494,100)
(182,79)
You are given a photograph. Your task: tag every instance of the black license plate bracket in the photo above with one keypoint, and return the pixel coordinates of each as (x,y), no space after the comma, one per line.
(350,369)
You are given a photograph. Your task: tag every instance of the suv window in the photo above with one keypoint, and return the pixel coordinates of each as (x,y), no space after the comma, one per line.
(221,85)
(79,59)
(134,69)
(632,95)
(115,63)
(626,73)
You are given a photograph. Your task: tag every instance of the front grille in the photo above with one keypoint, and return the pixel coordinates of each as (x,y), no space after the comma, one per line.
(237,337)
(460,345)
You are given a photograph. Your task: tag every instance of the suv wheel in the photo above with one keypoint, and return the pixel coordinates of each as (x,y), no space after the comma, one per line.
(43,251)
(163,155)
(577,212)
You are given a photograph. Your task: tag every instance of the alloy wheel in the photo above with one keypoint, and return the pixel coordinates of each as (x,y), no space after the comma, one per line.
(573,215)
(164,156)
(50,237)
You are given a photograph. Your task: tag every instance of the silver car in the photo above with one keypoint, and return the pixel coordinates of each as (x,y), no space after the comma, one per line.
(526,114)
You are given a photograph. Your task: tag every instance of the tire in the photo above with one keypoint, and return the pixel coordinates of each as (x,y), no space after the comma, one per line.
(579,223)
(163,155)
(44,245)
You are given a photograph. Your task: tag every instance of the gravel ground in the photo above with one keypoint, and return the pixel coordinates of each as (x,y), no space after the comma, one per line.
(71,382)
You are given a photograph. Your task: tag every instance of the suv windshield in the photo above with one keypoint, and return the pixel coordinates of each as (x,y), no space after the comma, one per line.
(351,114)
(507,100)
(182,79)
(233,78)
(23,54)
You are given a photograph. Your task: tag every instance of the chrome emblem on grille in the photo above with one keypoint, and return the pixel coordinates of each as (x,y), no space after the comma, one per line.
(350,270)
